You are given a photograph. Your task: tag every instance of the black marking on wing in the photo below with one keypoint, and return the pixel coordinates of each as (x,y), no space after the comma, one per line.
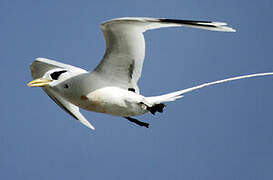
(56,74)
(131,69)
(187,22)
(61,105)
(131,89)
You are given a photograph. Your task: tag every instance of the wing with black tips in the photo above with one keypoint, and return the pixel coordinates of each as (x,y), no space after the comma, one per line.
(125,46)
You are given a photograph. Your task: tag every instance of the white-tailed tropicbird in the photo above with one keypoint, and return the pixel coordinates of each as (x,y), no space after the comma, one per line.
(112,87)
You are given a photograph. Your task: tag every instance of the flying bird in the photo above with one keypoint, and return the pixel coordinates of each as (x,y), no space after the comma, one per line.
(111,88)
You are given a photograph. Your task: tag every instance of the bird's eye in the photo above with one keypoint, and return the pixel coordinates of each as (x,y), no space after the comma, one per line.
(56,74)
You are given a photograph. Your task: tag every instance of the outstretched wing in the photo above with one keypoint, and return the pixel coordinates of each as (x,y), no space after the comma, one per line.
(125,46)
(42,65)
(68,107)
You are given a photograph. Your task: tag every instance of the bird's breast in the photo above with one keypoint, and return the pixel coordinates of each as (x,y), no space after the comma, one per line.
(114,101)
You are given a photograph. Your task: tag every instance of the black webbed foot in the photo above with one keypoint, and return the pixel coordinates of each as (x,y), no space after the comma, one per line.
(156,108)
(140,123)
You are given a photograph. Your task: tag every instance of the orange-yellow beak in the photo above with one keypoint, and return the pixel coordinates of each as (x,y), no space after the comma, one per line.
(41,82)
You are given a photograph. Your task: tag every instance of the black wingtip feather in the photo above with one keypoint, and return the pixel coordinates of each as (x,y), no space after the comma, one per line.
(187,22)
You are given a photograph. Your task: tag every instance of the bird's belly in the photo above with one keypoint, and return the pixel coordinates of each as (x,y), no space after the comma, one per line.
(114,101)
(115,109)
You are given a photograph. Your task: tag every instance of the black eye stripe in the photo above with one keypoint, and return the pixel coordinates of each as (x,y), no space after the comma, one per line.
(56,74)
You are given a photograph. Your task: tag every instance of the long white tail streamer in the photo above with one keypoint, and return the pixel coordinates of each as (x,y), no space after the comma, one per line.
(178,94)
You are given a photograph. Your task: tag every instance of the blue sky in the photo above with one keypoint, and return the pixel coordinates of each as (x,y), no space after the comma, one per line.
(221,132)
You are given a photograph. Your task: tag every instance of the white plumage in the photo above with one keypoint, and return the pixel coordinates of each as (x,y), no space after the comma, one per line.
(112,87)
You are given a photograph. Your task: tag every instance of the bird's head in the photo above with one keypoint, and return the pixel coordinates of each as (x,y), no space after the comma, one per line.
(50,78)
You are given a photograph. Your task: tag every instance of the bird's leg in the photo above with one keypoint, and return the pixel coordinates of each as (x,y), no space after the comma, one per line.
(140,123)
